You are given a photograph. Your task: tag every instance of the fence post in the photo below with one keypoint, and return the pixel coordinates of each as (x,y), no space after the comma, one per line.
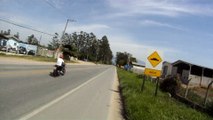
(143,83)
(207,92)
(156,89)
(187,88)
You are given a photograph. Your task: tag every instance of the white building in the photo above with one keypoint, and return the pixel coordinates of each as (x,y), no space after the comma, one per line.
(198,75)
(10,43)
(138,68)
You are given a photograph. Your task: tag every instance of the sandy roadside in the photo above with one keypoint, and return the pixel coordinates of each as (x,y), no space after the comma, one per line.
(22,61)
(115,110)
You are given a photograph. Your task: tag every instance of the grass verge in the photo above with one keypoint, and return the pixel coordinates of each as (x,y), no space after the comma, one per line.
(144,106)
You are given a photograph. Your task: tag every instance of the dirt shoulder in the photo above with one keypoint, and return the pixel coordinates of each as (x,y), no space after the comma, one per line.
(115,110)
(23,61)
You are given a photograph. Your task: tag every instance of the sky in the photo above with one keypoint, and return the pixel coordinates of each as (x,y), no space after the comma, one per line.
(181,29)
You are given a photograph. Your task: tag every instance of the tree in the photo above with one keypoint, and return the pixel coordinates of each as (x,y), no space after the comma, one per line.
(5,32)
(67,39)
(54,44)
(32,40)
(69,50)
(121,58)
(93,48)
(133,59)
(17,35)
(124,58)
(84,45)
(8,32)
(105,53)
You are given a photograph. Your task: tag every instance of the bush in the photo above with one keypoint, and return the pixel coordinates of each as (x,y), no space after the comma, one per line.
(140,75)
(170,85)
(2,54)
(209,108)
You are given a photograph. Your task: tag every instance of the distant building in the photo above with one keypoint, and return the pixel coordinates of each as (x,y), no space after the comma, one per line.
(3,42)
(138,68)
(10,43)
(167,69)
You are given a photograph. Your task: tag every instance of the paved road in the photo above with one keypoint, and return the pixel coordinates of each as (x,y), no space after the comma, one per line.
(83,93)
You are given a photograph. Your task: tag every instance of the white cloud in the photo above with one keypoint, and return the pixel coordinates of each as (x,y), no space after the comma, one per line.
(170,8)
(16,18)
(97,29)
(55,3)
(127,44)
(160,24)
(24,33)
(27,22)
(90,27)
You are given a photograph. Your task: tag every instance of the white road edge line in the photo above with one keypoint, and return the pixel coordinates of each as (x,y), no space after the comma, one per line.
(36,111)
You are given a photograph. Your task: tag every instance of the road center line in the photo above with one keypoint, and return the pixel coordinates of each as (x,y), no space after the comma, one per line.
(36,111)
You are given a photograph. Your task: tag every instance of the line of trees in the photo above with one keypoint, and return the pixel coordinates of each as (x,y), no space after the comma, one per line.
(8,32)
(84,46)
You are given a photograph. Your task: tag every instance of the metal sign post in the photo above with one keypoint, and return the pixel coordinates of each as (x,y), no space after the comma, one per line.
(154,66)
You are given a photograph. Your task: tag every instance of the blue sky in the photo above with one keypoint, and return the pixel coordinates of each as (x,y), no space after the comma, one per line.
(182,29)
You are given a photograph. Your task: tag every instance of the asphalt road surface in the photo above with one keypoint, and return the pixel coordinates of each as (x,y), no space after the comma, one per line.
(29,92)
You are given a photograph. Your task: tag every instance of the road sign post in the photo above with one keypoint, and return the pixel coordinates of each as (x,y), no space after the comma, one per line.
(154,66)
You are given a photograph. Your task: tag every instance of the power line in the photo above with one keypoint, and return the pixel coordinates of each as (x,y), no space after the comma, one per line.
(10,22)
(51,4)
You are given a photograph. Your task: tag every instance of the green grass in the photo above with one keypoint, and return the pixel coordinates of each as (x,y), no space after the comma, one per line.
(192,96)
(145,106)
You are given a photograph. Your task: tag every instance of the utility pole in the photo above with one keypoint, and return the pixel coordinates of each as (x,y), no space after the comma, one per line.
(60,46)
(40,40)
(68,20)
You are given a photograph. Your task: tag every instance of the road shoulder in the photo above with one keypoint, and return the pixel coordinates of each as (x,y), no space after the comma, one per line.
(115,110)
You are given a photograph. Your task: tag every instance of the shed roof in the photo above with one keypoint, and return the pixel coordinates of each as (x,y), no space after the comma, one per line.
(12,37)
(138,64)
(3,36)
(181,61)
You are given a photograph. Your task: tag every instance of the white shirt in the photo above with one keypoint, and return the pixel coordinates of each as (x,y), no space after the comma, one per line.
(59,61)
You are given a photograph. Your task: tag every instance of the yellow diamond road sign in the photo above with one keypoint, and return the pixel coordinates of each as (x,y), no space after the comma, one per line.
(154,59)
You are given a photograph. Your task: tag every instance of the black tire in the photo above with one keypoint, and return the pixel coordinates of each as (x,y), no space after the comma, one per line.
(55,73)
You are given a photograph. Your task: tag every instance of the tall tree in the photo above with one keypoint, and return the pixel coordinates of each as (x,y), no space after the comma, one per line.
(67,39)
(54,44)
(32,40)
(92,48)
(84,46)
(17,35)
(123,58)
(8,32)
(105,52)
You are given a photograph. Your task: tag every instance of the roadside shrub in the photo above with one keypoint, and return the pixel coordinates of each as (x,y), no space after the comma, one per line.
(140,75)
(2,54)
(209,109)
(170,85)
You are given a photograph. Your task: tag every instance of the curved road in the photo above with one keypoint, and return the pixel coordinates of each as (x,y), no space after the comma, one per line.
(29,92)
